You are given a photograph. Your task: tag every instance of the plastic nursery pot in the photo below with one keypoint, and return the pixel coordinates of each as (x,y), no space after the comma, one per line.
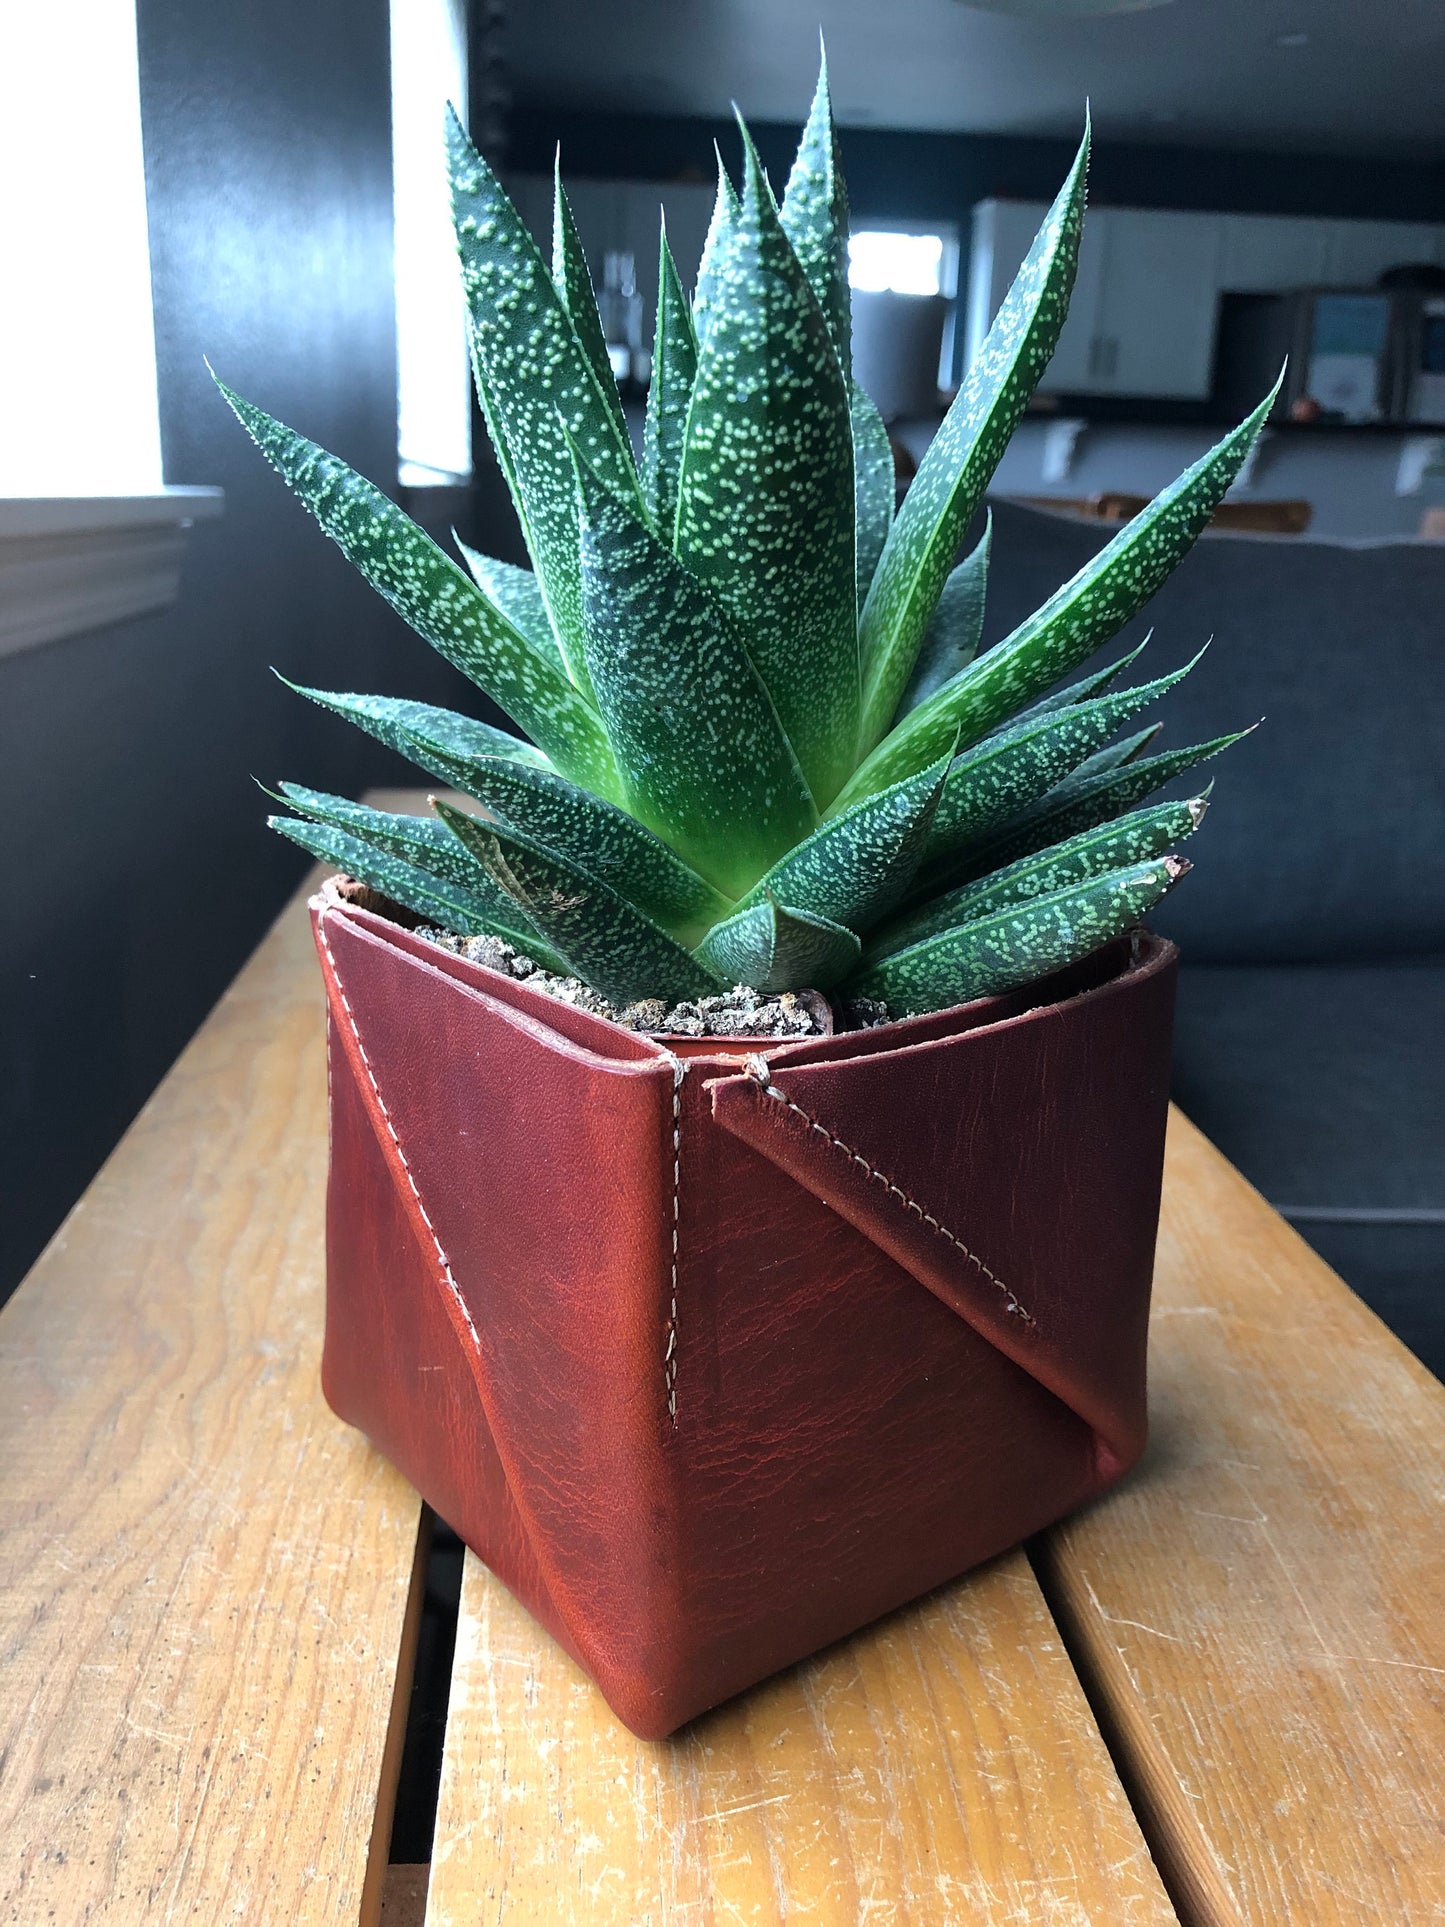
(715,1359)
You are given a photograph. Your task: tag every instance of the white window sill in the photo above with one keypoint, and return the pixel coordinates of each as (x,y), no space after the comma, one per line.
(70,563)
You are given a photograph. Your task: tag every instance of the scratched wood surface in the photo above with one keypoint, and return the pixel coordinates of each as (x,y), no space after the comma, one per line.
(941,1767)
(1262,1607)
(206,1581)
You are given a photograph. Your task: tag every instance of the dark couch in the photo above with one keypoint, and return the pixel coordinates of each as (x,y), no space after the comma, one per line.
(1311,1031)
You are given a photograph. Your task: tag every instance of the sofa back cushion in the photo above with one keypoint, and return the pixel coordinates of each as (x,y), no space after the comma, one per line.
(1326,836)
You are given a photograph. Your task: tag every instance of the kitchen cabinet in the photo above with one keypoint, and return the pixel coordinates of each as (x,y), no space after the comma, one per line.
(1141,321)
(1267,253)
(1146,300)
(1361,251)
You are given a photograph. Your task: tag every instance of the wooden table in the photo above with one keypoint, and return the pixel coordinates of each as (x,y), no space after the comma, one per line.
(1213,1698)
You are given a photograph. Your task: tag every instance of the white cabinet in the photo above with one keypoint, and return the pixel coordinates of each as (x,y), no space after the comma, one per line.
(1360,251)
(1141,321)
(1155,318)
(1266,253)
(1146,302)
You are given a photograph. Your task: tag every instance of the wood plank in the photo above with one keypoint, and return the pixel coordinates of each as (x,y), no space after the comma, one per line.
(941,1767)
(1261,1608)
(207,1583)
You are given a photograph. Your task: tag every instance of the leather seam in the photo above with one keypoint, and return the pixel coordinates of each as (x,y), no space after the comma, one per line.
(756,1068)
(669,1356)
(442,1259)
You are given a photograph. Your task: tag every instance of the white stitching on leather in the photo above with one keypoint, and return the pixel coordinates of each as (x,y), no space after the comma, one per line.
(442,1258)
(669,1356)
(756,1068)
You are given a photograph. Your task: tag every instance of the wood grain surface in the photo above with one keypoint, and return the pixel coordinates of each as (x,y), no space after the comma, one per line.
(1260,1610)
(206,1581)
(941,1767)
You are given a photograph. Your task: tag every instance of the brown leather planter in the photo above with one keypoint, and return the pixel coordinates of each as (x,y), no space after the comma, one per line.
(713,1358)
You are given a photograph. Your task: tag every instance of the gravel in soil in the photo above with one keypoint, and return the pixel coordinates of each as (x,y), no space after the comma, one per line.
(740,1012)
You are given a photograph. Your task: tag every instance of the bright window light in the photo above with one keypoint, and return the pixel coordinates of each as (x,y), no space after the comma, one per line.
(78,408)
(881,261)
(434,408)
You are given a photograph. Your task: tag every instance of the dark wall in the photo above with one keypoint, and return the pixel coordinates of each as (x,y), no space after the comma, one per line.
(940,176)
(139,872)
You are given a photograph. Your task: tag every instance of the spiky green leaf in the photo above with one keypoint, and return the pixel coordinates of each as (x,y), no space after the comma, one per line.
(815,218)
(1129,840)
(1091,685)
(963,455)
(991,783)
(674,366)
(774,946)
(420,891)
(708,765)
(1085,800)
(428,590)
(606,842)
(1014,946)
(388,718)
(599,935)
(726,209)
(955,628)
(537,382)
(858,866)
(423,844)
(515,592)
(874,487)
(572,279)
(1074,621)
(765,508)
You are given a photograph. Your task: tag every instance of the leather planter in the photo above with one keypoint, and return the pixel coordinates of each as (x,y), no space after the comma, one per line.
(715,1355)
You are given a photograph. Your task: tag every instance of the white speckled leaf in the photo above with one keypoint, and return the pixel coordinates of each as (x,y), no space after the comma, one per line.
(447,905)
(601,839)
(387,718)
(428,590)
(1018,944)
(1091,685)
(990,783)
(418,840)
(774,946)
(814,215)
(1083,801)
(964,453)
(1085,612)
(726,209)
(1131,839)
(955,629)
(603,939)
(708,765)
(536,378)
(516,593)
(874,487)
(857,867)
(674,364)
(766,512)
(572,279)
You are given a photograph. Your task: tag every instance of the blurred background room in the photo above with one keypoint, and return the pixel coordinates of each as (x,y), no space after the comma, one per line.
(261,184)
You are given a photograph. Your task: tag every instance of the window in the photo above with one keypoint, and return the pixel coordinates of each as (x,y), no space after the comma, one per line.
(77,340)
(884,261)
(434,407)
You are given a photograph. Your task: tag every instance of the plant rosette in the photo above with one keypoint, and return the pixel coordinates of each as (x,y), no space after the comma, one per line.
(715,1349)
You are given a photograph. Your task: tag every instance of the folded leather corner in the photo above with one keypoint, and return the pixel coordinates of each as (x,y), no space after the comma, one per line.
(1013,1169)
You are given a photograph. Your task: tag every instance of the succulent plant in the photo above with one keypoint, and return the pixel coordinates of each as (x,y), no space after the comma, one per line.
(765,748)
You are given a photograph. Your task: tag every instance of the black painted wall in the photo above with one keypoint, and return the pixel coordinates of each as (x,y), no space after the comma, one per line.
(139,872)
(913,176)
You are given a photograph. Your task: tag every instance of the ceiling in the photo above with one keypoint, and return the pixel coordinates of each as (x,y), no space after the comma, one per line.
(1337,76)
